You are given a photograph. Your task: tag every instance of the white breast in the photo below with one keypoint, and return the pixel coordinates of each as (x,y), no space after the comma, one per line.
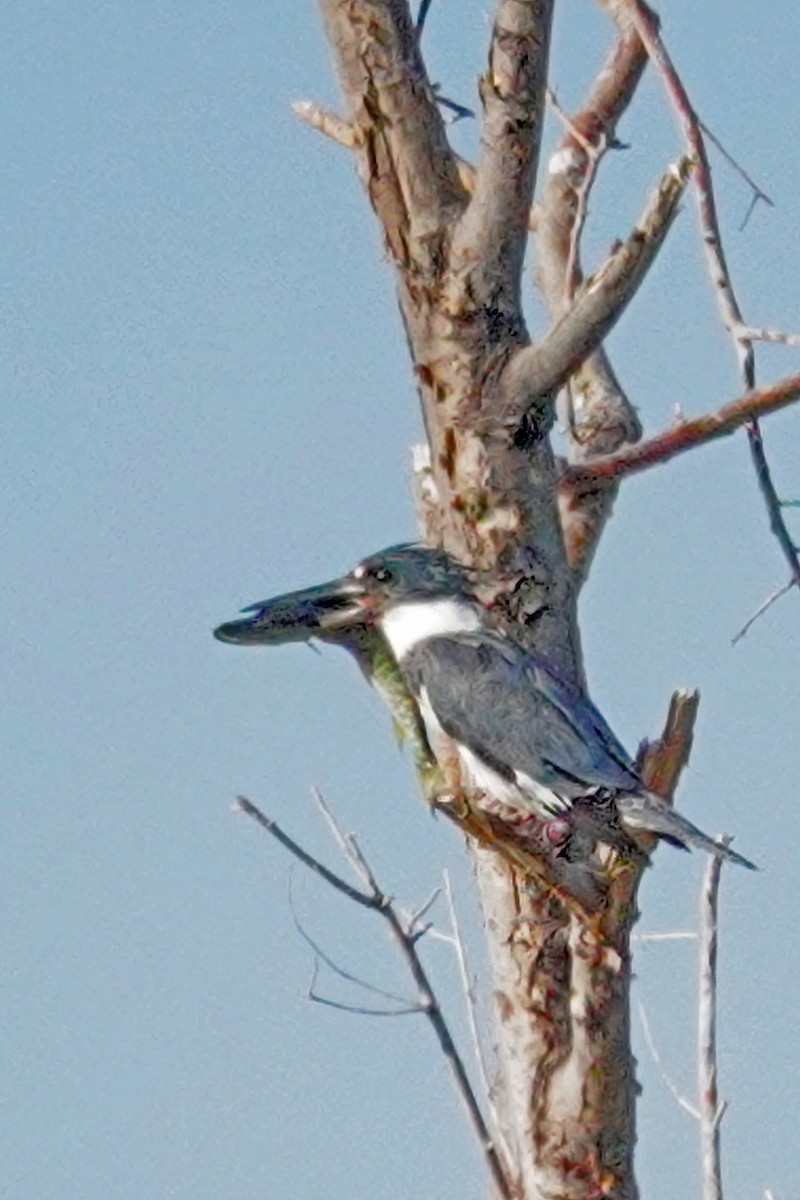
(406,625)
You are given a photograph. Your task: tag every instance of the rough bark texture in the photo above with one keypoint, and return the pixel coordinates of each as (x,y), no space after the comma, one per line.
(561,980)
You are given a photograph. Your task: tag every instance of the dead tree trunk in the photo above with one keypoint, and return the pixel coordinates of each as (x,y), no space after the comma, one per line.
(494,495)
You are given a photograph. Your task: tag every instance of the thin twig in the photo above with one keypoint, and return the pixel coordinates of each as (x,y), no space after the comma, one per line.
(338,834)
(647,26)
(341,885)
(428,1004)
(468,987)
(687,935)
(684,436)
(455,111)
(772,502)
(321,956)
(711,1111)
(424,9)
(492,235)
(536,372)
(750,334)
(758,193)
(358,1010)
(593,152)
(600,418)
(762,608)
(414,918)
(327,122)
(685,1104)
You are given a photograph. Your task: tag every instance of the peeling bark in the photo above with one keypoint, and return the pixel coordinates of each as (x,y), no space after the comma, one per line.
(488,491)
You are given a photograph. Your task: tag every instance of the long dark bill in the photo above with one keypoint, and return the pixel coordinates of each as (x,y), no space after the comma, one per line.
(321,611)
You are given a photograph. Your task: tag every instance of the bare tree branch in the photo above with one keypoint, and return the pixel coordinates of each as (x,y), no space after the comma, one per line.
(696,431)
(711,1111)
(358,1010)
(647,26)
(536,372)
(490,242)
(471,1002)
(758,193)
(327,122)
(414,923)
(669,1083)
(408,168)
(422,14)
(768,335)
(468,988)
(347,976)
(762,608)
(272,827)
(428,1004)
(773,504)
(600,417)
(678,935)
(572,170)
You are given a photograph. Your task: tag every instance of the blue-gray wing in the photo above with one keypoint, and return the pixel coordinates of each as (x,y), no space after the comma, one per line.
(512,710)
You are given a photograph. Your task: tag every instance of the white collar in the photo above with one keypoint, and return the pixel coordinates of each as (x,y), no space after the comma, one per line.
(406,625)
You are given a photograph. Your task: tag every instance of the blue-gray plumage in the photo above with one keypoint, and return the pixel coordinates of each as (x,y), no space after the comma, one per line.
(525,737)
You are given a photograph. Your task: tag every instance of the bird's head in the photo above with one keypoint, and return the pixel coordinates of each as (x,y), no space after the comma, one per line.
(404,574)
(331,611)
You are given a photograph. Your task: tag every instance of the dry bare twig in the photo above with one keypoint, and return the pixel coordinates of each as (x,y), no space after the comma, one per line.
(375,899)
(711,1109)
(758,193)
(600,418)
(775,336)
(325,121)
(646,25)
(762,608)
(467,984)
(678,935)
(320,955)
(686,435)
(669,1083)
(455,939)
(536,372)
(491,238)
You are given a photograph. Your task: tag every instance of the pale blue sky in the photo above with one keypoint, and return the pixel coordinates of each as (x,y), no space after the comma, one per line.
(210,402)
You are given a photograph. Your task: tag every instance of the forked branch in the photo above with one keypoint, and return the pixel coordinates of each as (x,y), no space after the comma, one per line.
(646,24)
(599,416)
(405,936)
(493,232)
(535,373)
(406,162)
(684,436)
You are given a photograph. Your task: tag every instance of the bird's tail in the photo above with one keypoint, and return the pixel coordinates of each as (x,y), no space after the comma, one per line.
(648,813)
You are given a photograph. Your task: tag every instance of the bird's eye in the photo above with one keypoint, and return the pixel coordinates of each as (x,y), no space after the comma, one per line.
(382,574)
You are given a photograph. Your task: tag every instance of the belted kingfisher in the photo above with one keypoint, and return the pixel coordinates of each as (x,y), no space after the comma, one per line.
(524,736)
(322,613)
